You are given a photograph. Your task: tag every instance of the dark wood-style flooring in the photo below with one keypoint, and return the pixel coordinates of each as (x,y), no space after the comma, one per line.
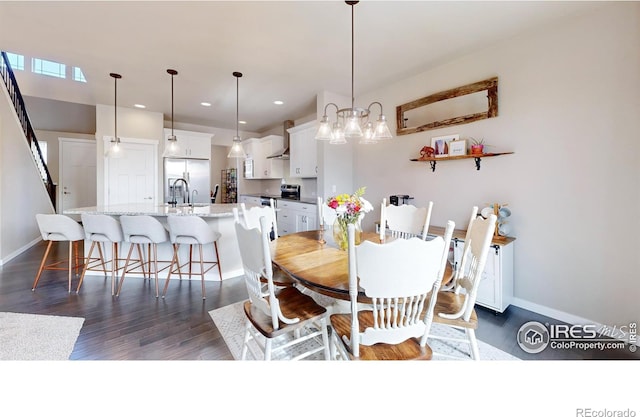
(138,326)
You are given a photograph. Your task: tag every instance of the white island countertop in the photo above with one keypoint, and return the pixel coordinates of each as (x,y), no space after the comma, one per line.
(159,210)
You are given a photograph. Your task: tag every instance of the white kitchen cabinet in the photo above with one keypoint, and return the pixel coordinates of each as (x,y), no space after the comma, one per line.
(258,149)
(303,151)
(495,290)
(189,144)
(295,217)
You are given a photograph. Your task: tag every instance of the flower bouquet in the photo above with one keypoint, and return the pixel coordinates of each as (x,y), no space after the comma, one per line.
(349,210)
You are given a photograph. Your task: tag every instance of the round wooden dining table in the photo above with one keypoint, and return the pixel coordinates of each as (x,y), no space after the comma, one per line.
(312,259)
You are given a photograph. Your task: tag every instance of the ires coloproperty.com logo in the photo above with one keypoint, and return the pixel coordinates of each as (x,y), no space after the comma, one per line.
(534,337)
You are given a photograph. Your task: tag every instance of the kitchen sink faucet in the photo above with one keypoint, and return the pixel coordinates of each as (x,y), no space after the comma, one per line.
(185,192)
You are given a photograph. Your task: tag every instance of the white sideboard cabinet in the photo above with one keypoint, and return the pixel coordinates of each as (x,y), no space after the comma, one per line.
(495,290)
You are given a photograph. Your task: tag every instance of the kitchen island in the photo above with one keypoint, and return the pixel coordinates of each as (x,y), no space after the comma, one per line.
(218,216)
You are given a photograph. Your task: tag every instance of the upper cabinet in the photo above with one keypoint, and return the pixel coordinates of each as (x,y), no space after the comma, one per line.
(258,149)
(189,144)
(303,151)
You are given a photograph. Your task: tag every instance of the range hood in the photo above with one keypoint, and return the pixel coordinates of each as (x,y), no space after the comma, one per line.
(284,152)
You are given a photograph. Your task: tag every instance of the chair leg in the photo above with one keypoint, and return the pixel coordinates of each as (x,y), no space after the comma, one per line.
(124,270)
(267,349)
(70,263)
(190,259)
(103,263)
(114,266)
(44,260)
(174,259)
(86,264)
(155,267)
(247,336)
(204,297)
(473,342)
(141,257)
(325,339)
(215,246)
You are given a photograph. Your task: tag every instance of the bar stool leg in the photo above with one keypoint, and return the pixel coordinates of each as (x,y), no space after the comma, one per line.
(70,263)
(204,297)
(155,267)
(124,270)
(44,260)
(215,246)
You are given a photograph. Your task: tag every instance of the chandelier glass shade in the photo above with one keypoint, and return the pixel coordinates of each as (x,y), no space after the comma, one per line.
(353,122)
(237,151)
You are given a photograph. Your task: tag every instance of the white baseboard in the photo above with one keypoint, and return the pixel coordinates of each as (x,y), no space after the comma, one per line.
(19,251)
(561,315)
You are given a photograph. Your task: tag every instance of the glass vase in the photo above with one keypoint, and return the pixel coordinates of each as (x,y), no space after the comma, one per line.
(340,233)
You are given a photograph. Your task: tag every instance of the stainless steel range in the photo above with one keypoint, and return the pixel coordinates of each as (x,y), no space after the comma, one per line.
(290,191)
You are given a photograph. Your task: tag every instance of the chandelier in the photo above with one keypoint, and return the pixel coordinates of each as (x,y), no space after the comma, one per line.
(172,141)
(353,122)
(237,151)
(114,147)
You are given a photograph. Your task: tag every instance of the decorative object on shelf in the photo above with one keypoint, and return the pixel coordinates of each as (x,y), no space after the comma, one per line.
(477,146)
(353,122)
(441,144)
(237,151)
(172,141)
(114,147)
(502,212)
(458,147)
(349,210)
(427,152)
(412,117)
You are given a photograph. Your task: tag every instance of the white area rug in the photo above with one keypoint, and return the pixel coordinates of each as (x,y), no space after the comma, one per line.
(230,320)
(37,337)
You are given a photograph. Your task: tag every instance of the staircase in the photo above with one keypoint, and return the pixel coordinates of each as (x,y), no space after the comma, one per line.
(21,111)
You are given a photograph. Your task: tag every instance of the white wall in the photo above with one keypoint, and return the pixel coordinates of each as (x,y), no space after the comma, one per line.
(22,190)
(569,107)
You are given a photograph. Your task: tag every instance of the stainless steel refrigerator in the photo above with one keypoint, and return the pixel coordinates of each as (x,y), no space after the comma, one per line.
(197,174)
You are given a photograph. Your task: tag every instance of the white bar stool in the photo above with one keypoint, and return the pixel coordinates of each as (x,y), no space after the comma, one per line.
(59,228)
(191,230)
(101,229)
(139,230)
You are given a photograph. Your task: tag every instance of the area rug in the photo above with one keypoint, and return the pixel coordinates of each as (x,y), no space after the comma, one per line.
(230,321)
(37,337)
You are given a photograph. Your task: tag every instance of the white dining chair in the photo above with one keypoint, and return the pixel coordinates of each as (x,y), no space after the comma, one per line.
(60,228)
(102,229)
(251,217)
(456,308)
(192,231)
(405,221)
(397,277)
(277,319)
(141,230)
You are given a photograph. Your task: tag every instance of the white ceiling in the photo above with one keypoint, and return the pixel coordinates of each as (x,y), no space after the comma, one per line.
(287,50)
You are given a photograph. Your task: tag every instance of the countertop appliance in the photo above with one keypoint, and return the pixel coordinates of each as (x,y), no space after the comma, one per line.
(195,172)
(290,191)
(395,199)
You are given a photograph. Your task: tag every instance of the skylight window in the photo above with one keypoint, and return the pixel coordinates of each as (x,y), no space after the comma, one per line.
(78,75)
(50,68)
(16,61)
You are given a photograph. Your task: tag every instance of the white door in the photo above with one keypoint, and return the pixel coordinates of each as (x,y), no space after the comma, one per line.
(132,178)
(77,176)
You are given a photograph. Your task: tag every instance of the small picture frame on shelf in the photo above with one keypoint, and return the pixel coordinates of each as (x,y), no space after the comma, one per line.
(458,147)
(440,144)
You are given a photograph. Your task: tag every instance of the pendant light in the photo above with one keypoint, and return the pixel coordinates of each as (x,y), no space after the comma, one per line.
(171,147)
(353,122)
(237,151)
(114,146)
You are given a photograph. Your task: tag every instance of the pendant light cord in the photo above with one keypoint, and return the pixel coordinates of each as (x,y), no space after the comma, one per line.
(171,104)
(352,57)
(237,103)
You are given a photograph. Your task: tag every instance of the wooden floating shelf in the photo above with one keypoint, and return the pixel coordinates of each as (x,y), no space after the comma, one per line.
(432,161)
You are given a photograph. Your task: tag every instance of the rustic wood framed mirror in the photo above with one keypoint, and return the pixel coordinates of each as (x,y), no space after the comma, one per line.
(456,106)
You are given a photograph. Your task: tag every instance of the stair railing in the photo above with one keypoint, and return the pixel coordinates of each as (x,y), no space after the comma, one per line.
(21,111)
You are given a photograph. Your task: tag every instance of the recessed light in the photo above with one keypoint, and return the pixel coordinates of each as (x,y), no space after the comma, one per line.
(140,106)
(205,104)
(242,122)
(278,102)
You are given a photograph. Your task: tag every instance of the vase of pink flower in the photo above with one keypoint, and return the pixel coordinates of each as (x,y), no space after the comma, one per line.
(350,209)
